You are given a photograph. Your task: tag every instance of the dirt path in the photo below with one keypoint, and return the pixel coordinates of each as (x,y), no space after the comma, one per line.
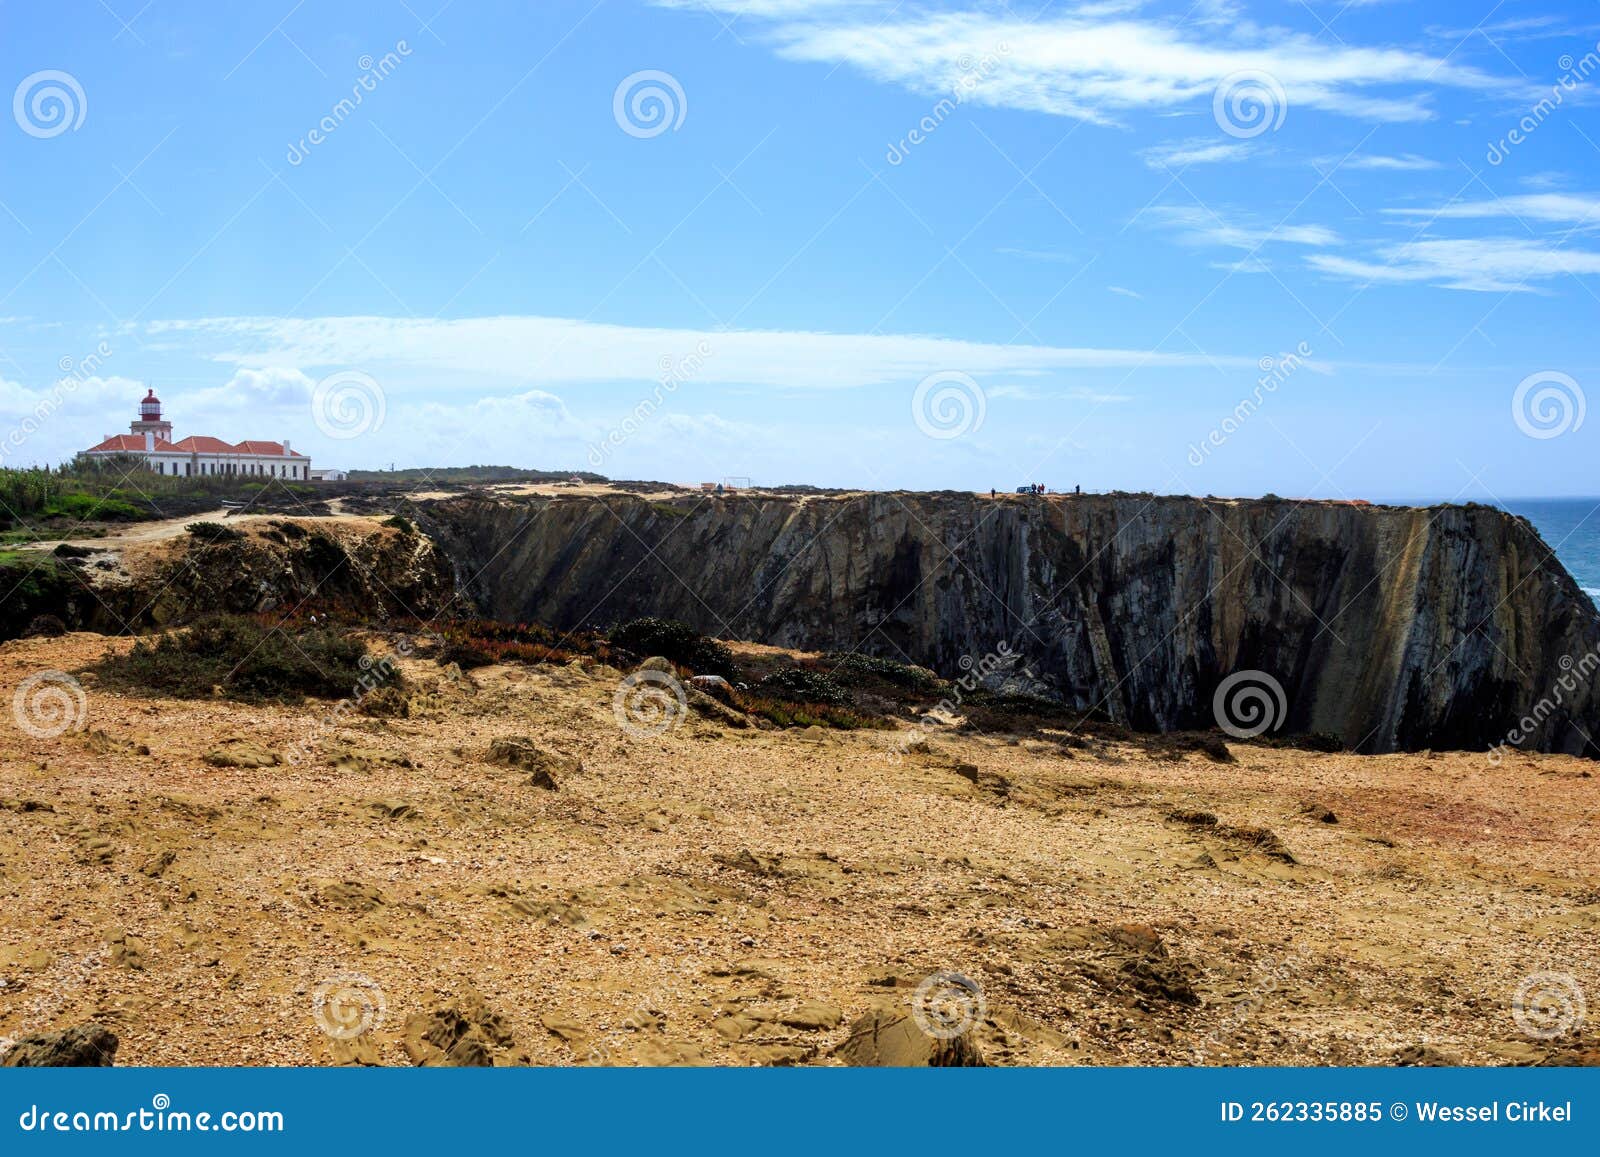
(141,533)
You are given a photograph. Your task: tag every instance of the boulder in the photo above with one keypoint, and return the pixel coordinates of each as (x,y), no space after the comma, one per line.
(715,686)
(81,1047)
(238,751)
(545,767)
(891,1038)
(708,708)
(462,1035)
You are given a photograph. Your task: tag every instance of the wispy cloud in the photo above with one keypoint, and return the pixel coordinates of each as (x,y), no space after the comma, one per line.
(1202,151)
(1485,265)
(1198,225)
(1097,62)
(1406,163)
(475,354)
(1579,209)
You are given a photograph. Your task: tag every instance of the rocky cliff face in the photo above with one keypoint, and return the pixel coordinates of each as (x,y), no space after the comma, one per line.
(270,565)
(1393,628)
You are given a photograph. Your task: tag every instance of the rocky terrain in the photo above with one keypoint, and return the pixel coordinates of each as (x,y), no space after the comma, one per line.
(498,869)
(173,571)
(1394,629)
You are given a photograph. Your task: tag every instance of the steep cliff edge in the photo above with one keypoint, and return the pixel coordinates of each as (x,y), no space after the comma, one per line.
(1393,628)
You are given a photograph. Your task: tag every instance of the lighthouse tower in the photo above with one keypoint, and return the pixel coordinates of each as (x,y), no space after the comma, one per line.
(150,426)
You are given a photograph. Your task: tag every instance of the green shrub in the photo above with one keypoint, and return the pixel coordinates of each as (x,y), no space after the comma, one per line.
(856,668)
(213,532)
(679,642)
(401,523)
(785,713)
(82,507)
(799,685)
(247,658)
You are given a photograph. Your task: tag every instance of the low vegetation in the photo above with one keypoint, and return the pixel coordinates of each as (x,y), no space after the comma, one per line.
(242,657)
(679,642)
(212,533)
(472,643)
(790,713)
(46,502)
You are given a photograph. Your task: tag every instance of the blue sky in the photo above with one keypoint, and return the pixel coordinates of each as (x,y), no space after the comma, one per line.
(866,243)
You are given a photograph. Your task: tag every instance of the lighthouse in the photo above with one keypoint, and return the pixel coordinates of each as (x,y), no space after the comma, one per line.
(150,427)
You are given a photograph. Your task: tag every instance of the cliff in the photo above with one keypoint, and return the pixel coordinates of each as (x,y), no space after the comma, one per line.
(118,586)
(1393,628)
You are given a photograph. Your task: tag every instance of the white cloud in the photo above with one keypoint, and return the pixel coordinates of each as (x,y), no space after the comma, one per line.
(1203,151)
(1562,208)
(478,355)
(1487,265)
(1198,225)
(1098,62)
(1405,163)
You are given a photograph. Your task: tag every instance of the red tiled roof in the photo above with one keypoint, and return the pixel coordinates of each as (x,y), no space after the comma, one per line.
(194,444)
(201,444)
(248,447)
(125,443)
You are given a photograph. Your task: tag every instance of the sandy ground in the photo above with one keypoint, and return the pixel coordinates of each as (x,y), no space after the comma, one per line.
(714,896)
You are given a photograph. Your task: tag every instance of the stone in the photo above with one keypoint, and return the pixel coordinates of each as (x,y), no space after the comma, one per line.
(715,686)
(156,866)
(812,1017)
(891,1038)
(546,767)
(709,708)
(81,1047)
(238,751)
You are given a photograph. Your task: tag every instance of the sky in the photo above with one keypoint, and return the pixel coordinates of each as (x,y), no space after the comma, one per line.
(1330,248)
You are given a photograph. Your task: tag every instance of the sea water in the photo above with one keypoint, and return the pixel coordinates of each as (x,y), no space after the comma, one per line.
(1571,528)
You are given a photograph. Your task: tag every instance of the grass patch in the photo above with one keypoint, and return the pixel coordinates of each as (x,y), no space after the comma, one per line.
(246,657)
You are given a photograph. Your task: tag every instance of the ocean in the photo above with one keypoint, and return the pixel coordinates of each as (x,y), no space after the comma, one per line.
(1571,526)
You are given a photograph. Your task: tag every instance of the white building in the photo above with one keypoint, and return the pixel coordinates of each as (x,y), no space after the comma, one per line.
(150,438)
